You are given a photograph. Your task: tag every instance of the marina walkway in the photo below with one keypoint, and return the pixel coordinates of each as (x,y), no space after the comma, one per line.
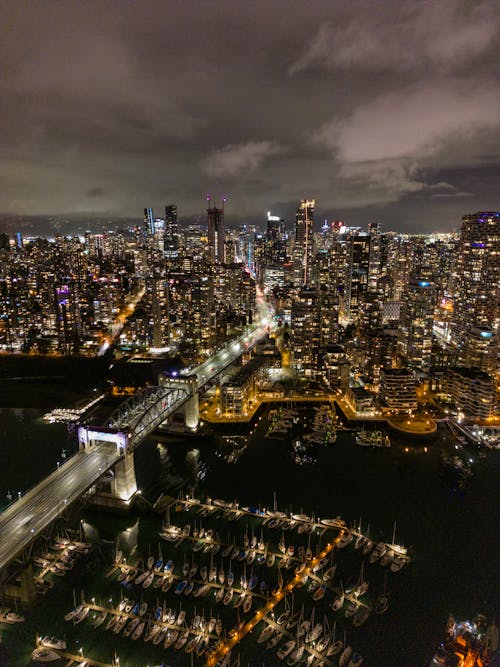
(227,646)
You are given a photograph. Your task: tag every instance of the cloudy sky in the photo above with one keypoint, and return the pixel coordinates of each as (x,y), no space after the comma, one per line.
(383,110)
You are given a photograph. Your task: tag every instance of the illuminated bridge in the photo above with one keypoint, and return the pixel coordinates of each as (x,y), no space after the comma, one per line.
(111,447)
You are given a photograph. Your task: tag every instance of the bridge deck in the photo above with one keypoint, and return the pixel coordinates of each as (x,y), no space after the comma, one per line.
(32,513)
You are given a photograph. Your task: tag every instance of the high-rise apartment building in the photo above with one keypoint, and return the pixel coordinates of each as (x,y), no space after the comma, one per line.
(364,292)
(303,244)
(476,307)
(149,222)
(275,241)
(171,235)
(306,331)
(416,323)
(357,272)
(216,232)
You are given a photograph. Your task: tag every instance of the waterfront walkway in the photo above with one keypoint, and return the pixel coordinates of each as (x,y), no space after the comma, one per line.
(417,426)
(413,426)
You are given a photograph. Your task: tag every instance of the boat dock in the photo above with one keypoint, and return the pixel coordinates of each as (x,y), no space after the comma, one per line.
(309,649)
(227,646)
(116,612)
(78,658)
(178,577)
(320,525)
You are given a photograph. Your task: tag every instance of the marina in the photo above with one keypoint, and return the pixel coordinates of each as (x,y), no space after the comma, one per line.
(218,525)
(185,599)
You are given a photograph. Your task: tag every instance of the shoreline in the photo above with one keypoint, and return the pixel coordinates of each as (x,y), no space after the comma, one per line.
(421,428)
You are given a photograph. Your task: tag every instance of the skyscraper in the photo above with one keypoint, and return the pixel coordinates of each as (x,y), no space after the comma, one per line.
(171,239)
(275,240)
(476,315)
(357,272)
(303,245)
(149,222)
(417,319)
(363,284)
(306,331)
(216,231)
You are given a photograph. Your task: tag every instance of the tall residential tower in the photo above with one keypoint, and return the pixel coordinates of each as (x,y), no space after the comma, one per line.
(216,231)
(476,315)
(303,246)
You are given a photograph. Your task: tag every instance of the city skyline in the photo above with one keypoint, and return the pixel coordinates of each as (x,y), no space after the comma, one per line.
(379,112)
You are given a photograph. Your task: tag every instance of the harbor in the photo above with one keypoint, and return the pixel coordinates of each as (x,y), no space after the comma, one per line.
(207,596)
(224,502)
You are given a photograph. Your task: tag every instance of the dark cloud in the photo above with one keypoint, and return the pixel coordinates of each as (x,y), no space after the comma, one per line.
(382,109)
(95,192)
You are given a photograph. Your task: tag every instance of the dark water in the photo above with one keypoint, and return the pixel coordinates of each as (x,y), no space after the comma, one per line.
(452,534)
(29,449)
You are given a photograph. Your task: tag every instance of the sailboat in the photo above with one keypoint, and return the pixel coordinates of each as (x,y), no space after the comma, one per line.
(368,543)
(378,552)
(221,576)
(315,630)
(319,593)
(243,578)
(309,553)
(362,586)
(382,602)
(282,618)
(338,602)
(330,573)
(261,544)
(352,608)
(265,634)
(345,655)
(286,649)
(212,575)
(296,655)
(294,619)
(253,581)
(227,550)
(194,568)
(247,603)
(335,644)
(360,616)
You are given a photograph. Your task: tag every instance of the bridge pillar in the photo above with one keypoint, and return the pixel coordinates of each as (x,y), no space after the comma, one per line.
(25,591)
(124,484)
(191,408)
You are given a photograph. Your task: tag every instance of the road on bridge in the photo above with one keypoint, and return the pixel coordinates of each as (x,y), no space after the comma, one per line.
(33,512)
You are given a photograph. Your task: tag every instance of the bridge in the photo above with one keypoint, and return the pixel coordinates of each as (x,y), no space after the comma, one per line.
(112,447)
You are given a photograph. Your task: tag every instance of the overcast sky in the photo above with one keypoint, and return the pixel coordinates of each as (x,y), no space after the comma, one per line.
(382,110)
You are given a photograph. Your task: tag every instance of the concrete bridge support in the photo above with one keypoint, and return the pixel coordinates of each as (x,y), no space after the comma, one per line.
(23,592)
(124,484)
(191,408)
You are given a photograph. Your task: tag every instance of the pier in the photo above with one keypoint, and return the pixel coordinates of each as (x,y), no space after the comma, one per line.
(261,613)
